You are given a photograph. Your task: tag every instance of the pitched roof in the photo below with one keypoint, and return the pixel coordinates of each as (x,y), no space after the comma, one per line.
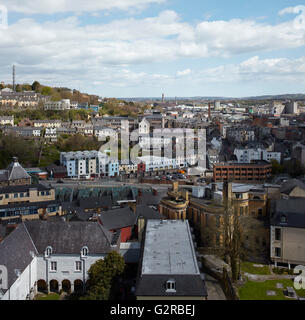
(288,186)
(96,202)
(292,210)
(118,218)
(15,252)
(69,237)
(186,285)
(148,212)
(16,172)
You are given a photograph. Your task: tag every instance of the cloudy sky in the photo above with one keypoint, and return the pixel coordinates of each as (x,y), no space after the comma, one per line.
(140,48)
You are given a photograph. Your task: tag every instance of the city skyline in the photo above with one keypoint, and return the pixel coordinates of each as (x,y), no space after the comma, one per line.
(148,47)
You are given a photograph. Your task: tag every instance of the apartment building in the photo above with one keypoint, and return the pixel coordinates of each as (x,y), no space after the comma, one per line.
(249,155)
(240,135)
(64,104)
(87,164)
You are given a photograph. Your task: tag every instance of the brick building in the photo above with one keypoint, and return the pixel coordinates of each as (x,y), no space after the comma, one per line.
(243,172)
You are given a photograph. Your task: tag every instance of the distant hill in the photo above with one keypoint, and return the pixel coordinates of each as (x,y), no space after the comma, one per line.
(299,96)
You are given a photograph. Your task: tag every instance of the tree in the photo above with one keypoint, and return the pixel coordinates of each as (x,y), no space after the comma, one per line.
(36,86)
(46,91)
(102,275)
(277,168)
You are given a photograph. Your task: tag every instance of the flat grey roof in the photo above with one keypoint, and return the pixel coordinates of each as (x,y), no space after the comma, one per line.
(169,249)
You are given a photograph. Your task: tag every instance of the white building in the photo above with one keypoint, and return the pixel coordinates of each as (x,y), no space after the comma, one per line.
(240,134)
(87,164)
(64,104)
(144,127)
(153,163)
(4,121)
(248,155)
(53,256)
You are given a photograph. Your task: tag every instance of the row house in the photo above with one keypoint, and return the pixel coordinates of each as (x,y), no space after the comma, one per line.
(47,123)
(30,132)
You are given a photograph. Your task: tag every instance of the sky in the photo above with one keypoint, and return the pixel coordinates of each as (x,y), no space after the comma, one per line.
(143,48)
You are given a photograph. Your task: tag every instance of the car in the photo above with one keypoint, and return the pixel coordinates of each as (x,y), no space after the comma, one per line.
(163,178)
(60,181)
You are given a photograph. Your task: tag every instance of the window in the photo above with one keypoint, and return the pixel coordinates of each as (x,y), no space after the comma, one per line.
(7,196)
(171,286)
(278,234)
(85,251)
(283,219)
(48,251)
(78,266)
(16,195)
(278,252)
(53,266)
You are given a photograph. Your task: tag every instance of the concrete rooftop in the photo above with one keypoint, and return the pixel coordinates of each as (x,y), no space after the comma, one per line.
(169,249)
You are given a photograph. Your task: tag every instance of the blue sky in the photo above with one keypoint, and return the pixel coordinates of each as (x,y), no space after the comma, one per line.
(138,48)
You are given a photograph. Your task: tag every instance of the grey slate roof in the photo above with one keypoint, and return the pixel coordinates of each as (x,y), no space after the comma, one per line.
(293,210)
(69,237)
(118,218)
(25,188)
(148,198)
(186,286)
(15,252)
(289,185)
(148,213)
(96,202)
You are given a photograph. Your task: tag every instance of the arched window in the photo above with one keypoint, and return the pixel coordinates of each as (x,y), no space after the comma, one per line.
(48,252)
(84,252)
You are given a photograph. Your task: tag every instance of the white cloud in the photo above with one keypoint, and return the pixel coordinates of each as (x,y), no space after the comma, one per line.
(56,6)
(256,69)
(184,73)
(106,53)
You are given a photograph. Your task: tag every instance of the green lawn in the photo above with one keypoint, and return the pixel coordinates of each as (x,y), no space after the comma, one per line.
(249,268)
(258,290)
(51,296)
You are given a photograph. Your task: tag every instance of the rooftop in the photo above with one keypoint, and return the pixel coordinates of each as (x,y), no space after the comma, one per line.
(169,249)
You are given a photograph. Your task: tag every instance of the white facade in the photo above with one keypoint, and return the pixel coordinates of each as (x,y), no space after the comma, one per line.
(64,104)
(7,121)
(68,267)
(144,127)
(84,164)
(248,155)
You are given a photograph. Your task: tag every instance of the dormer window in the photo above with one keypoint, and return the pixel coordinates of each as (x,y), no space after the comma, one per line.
(171,286)
(84,252)
(283,219)
(48,252)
